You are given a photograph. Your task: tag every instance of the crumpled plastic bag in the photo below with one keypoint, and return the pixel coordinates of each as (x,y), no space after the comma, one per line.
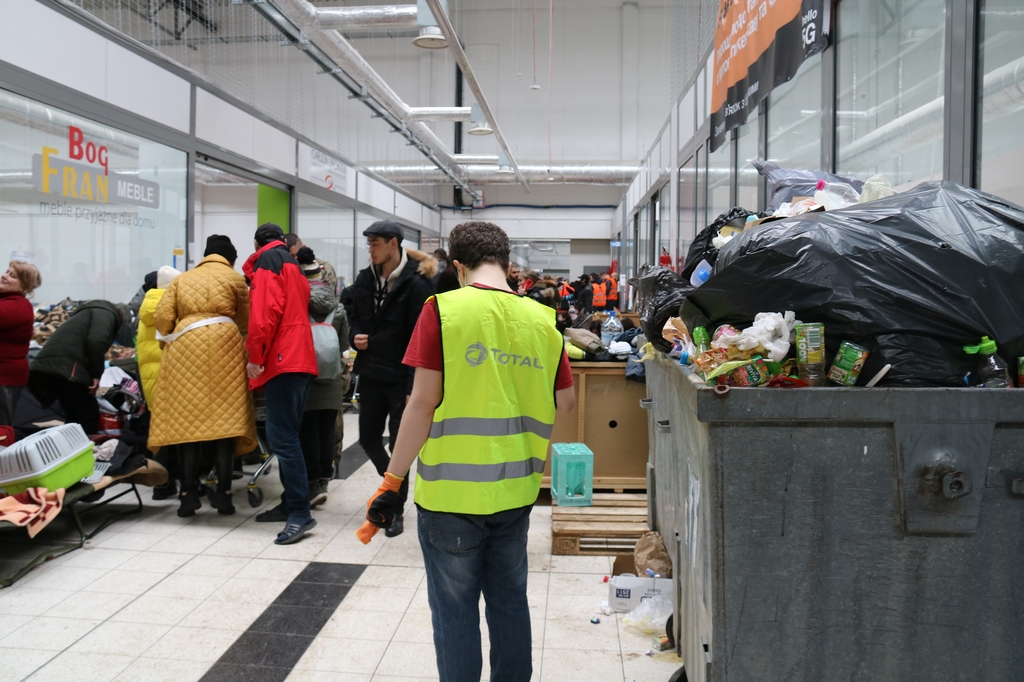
(659,293)
(651,616)
(876,187)
(787,183)
(770,331)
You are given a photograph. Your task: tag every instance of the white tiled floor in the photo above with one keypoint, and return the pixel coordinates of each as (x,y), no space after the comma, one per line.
(156,598)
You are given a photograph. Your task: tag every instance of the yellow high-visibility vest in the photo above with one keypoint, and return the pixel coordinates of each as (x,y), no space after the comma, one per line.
(489,437)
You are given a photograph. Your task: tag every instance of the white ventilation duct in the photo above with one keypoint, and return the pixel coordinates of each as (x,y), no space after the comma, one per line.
(378,18)
(476,174)
(446,114)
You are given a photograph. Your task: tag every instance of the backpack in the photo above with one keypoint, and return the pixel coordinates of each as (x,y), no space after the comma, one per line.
(328,350)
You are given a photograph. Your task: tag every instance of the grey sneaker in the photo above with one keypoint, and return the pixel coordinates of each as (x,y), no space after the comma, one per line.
(317,493)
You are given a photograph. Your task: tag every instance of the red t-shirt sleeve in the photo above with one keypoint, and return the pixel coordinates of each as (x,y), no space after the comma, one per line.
(564,377)
(425,347)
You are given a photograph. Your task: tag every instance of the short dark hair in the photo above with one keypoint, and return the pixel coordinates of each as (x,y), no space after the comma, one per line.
(478,242)
(441,254)
(291,240)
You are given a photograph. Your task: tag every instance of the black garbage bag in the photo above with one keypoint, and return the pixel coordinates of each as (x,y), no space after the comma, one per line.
(702,249)
(786,183)
(912,277)
(659,293)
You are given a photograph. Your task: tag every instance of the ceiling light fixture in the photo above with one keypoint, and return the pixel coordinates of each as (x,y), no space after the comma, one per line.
(430,38)
(478,124)
(504,165)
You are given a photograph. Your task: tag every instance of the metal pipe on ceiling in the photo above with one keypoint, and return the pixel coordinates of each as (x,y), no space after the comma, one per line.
(476,174)
(445,24)
(446,114)
(385,17)
(372,88)
(489,159)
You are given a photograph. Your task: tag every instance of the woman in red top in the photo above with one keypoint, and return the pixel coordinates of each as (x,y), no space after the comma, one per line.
(16,321)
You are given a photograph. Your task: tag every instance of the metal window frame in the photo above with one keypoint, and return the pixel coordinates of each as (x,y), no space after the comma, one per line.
(960,120)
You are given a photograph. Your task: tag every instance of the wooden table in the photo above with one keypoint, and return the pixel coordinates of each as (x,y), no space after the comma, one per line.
(609,420)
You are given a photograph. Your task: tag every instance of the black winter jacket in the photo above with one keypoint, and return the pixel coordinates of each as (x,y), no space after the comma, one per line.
(76,349)
(390,328)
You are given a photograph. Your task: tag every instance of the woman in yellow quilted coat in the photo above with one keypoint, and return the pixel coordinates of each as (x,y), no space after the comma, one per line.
(203,404)
(148,354)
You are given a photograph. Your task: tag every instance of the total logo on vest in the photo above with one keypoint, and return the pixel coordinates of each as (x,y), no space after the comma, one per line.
(477,354)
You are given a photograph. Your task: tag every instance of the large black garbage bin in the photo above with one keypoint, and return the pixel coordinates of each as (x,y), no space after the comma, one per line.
(841,534)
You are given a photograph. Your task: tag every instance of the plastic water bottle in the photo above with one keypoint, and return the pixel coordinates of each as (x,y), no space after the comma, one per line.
(833,195)
(993,372)
(701,274)
(610,329)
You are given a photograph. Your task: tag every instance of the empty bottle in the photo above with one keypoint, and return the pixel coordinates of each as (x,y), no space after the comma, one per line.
(610,329)
(993,372)
(701,274)
(833,195)
(701,340)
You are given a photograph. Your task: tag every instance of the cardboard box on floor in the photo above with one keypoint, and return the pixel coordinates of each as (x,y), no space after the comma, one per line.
(626,590)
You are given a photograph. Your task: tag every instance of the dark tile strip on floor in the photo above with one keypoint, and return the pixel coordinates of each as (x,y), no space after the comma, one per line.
(275,642)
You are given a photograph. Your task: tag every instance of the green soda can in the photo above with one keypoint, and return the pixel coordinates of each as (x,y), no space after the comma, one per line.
(810,343)
(848,364)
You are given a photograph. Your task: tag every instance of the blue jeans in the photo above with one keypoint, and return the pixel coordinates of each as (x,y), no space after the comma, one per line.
(465,555)
(286,401)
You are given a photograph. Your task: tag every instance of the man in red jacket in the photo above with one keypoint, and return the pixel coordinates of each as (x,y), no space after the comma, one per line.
(282,360)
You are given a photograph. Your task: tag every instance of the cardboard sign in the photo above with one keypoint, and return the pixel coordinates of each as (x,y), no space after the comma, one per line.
(760,44)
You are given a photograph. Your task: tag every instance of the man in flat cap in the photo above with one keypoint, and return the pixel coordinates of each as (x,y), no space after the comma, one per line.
(387,299)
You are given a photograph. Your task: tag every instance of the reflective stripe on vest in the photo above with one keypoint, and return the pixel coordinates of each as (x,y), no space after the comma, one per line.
(482,426)
(600,298)
(480,473)
(489,437)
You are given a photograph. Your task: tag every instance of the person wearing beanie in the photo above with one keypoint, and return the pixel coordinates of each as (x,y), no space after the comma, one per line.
(330,277)
(221,245)
(282,360)
(309,264)
(202,404)
(148,354)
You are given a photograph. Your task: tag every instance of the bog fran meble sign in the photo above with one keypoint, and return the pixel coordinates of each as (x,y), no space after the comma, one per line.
(760,44)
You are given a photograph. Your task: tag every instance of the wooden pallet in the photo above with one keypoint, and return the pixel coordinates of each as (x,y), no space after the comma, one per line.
(611,526)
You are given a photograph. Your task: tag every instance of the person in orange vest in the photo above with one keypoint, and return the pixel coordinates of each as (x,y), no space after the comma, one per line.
(600,291)
(565,293)
(612,286)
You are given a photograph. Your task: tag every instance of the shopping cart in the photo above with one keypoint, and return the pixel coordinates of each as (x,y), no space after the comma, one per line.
(252,488)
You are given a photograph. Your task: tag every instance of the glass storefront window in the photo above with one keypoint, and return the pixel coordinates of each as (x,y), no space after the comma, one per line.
(891,64)
(328,229)
(794,118)
(363,221)
(643,238)
(664,238)
(719,181)
(1000,105)
(747,178)
(96,208)
(549,257)
(687,209)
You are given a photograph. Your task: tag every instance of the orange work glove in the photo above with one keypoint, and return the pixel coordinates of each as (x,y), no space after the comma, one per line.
(381,508)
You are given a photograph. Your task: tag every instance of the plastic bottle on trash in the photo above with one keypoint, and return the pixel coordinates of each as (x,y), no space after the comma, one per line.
(701,273)
(610,329)
(833,195)
(992,370)
(701,339)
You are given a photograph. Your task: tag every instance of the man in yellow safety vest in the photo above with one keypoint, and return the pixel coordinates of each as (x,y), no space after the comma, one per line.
(491,373)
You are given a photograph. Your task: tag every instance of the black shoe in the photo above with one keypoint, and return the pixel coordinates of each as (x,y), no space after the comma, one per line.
(293,532)
(397,526)
(221,501)
(165,491)
(275,515)
(317,493)
(188,504)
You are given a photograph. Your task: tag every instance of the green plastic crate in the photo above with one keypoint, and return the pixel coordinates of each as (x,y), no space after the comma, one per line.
(52,459)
